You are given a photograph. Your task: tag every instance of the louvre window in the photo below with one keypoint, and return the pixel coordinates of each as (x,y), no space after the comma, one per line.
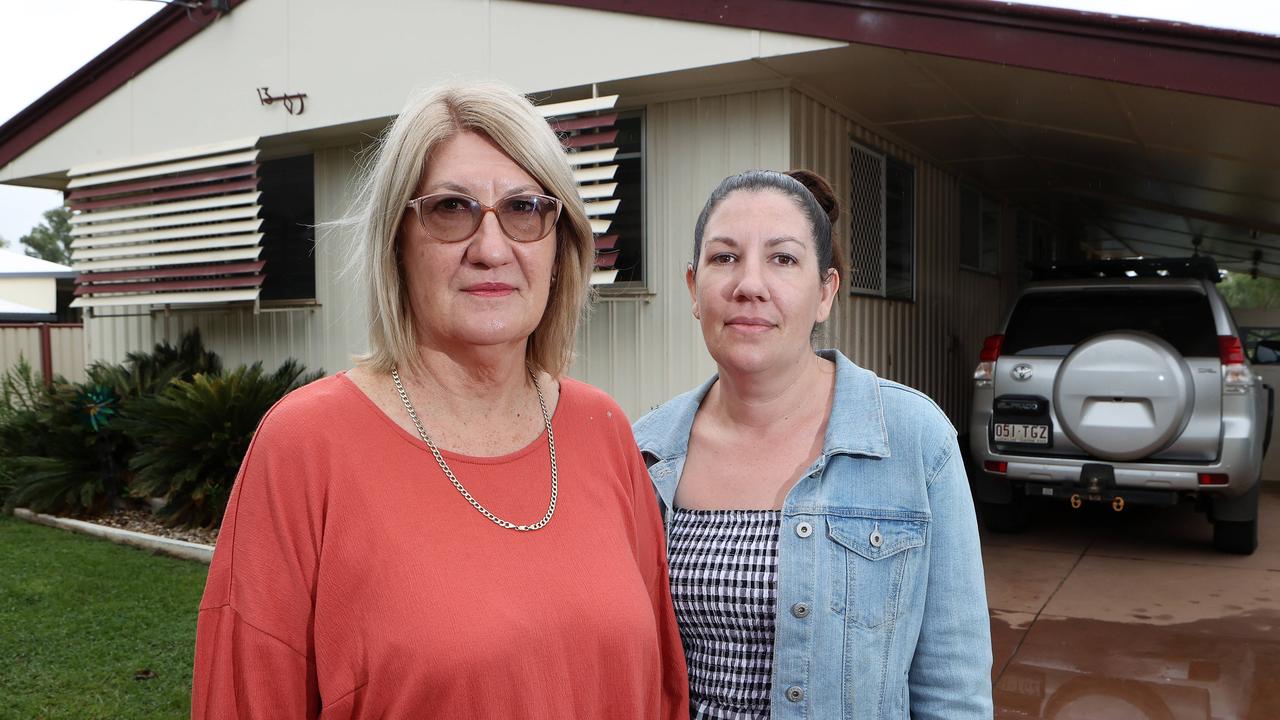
(605,149)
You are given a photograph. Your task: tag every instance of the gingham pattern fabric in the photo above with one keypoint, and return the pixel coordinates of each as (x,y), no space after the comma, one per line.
(724,581)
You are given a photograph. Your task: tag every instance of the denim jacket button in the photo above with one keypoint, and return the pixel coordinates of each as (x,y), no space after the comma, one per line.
(795,693)
(876,538)
(804,529)
(800,610)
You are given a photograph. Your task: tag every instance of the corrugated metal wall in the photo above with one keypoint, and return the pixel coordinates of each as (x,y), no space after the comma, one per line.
(931,344)
(322,336)
(643,350)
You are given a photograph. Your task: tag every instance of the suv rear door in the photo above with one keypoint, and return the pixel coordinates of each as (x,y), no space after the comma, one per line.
(1049,321)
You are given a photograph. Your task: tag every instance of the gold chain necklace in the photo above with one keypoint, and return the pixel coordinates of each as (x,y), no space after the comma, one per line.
(551,443)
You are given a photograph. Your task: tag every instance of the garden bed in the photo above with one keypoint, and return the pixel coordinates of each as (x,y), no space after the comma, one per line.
(142,521)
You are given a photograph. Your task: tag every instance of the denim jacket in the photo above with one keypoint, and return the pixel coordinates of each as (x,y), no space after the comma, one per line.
(882,611)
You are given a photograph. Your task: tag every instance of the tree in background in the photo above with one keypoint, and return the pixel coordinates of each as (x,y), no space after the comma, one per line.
(1244,292)
(51,239)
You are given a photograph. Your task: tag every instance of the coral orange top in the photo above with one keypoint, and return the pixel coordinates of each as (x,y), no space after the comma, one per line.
(351,580)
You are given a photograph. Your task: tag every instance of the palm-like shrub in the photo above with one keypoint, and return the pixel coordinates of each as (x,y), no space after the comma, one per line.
(64,450)
(21,393)
(148,373)
(64,454)
(193,435)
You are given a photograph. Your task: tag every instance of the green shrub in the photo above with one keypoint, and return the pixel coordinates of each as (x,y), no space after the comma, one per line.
(147,373)
(75,460)
(65,450)
(196,434)
(21,393)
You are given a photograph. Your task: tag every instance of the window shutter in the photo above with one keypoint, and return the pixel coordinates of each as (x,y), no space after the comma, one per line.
(587,133)
(171,228)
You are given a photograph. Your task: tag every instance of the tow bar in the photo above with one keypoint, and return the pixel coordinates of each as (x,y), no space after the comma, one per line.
(1097,483)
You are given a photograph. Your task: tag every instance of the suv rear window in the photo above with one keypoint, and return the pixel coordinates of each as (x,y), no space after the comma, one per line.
(1053,322)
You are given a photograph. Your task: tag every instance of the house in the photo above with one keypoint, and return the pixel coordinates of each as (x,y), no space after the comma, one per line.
(29,288)
(207,150)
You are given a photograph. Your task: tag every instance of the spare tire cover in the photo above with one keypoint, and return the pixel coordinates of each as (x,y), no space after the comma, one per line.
(1123,395)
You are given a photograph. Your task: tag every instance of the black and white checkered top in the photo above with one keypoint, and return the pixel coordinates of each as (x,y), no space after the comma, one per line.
(724,581)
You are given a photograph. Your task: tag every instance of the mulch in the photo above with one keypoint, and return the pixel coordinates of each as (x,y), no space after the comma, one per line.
(144,522)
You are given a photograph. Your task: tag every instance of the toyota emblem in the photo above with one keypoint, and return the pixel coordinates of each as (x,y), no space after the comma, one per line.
(1022,371)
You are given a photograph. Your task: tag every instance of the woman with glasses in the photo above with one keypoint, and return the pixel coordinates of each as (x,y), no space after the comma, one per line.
(823,551)
(452,528)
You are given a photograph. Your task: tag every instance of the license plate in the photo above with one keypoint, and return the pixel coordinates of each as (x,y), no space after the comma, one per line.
(1022,433)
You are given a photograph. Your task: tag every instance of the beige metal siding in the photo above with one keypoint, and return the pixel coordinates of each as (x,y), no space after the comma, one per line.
(931,344)
(644,350)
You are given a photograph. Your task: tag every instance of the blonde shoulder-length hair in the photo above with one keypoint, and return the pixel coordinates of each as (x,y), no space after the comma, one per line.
(392,175)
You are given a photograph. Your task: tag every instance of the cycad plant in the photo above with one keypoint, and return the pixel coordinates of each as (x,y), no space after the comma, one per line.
(193,435)
(21,394)
(67,455)
(148,373)
(65,450)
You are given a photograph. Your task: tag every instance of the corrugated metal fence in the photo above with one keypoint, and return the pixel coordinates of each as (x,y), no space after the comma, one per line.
(53,349)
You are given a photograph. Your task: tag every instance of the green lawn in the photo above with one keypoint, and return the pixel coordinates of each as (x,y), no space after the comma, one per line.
(80,617)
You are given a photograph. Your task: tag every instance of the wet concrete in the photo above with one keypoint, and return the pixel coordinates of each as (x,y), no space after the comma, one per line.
(1097,615)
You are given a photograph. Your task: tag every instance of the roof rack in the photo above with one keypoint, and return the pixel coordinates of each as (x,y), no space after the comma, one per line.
(1199,267)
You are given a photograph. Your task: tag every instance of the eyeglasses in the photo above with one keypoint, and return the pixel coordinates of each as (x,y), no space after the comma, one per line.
(452,217)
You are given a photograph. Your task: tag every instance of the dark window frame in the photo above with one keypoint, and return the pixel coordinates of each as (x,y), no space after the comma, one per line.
(985,204)
(284,288)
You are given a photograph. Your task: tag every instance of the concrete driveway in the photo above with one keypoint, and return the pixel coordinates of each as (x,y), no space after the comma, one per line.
(1116,616)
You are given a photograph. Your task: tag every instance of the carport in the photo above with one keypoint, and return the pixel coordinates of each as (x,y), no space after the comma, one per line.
(1130,138)
(1133,137)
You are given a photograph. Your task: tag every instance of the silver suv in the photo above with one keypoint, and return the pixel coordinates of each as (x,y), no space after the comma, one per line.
(1121,382)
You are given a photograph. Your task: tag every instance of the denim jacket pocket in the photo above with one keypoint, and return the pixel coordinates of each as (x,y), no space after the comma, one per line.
(871,554)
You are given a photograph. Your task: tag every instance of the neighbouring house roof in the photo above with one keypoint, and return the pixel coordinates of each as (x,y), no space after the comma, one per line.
(13,265)
(1156,53)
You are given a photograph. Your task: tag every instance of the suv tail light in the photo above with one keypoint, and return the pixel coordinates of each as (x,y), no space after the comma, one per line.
(987,361)
(991,348)
(1236,378)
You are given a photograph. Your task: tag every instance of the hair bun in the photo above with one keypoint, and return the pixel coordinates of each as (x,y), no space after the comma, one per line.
(821,191)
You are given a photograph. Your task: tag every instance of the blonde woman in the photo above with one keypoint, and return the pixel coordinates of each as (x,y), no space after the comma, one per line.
(452,528)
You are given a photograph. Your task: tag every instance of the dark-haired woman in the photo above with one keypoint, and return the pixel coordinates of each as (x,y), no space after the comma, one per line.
(823,549)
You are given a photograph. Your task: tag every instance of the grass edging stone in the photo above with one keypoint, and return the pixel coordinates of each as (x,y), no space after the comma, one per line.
(176,548)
